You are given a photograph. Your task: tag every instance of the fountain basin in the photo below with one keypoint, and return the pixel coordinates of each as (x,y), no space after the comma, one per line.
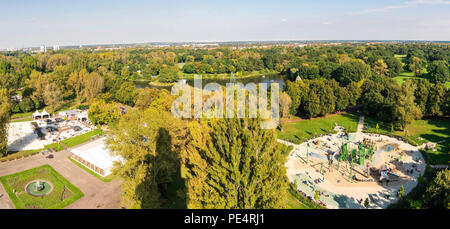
(44,188)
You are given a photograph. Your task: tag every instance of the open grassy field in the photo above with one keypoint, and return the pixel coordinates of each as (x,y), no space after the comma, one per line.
(63,193)
(410,75)
(407,75)
(419,132)
(303,130)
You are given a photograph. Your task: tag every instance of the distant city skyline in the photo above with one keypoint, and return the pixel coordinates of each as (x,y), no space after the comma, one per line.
(59,23)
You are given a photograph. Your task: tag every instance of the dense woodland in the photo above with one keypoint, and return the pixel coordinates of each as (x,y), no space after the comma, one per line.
(320,80)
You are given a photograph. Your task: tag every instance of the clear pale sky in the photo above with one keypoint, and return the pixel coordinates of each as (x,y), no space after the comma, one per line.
(26,23)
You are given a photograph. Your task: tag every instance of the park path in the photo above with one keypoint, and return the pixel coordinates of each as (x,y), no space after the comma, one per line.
(97,194)
(359,131)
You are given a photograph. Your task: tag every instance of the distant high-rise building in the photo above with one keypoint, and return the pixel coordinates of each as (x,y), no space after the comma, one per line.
(43,48)
(55,47)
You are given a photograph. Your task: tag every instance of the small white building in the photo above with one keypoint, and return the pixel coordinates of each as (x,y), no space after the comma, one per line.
(96,157)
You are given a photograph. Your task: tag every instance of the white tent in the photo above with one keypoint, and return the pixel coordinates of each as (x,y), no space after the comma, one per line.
(45,113)
(36,114)
(96,157)
(42,114)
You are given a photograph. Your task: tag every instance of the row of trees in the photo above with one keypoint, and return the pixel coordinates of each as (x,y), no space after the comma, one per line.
(307,62)
(380,98)
(311,98)
(4,119)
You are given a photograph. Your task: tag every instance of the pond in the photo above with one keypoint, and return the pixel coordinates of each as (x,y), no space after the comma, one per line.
(269,78)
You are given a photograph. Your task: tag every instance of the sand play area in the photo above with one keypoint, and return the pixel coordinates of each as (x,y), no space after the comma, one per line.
(345,169)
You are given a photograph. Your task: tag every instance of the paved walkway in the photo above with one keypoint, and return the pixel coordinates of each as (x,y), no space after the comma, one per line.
(97,194)
(359,131)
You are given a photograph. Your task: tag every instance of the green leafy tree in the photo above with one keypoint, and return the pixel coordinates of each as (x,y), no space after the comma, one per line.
(401,192)
(316,196)
(366,203)
(101,113)
(149,142)
(234,164)
(4,119)
(168,75)
(352,71)
(416,66)
(126,93)
(437,194)
(438,71)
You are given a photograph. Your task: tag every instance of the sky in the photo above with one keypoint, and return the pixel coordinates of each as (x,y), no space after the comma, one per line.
(30,23)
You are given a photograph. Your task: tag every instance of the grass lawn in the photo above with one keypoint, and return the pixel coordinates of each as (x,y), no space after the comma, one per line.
(306,129)
(63,193)
(434,130)
(21,115)
(295,200)
(104,179)
(292,202)
(24,153)
(404,76)
(80,139)
(22,120)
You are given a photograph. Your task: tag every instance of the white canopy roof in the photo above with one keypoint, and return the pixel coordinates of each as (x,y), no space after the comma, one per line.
(37,113)
(97,154)
(44,112)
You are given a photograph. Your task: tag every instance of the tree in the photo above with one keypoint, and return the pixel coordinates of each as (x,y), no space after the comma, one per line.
(102,113)
(168,75)
(436,99)
(127,93)
(52,97)
(437,195)
(93,86)
(234,164)
(422,93)
(394,66)
(352,71)
(149,141)
(366,203)
(316,196)
(39,83)
(285,104)
(381,68)
(405,109)
(312,107)
(4,119)
(416,66)
(26,105)
(438,71)
(401,192)
(354,92)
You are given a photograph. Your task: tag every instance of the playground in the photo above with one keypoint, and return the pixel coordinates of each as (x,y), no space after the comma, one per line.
(342,170)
